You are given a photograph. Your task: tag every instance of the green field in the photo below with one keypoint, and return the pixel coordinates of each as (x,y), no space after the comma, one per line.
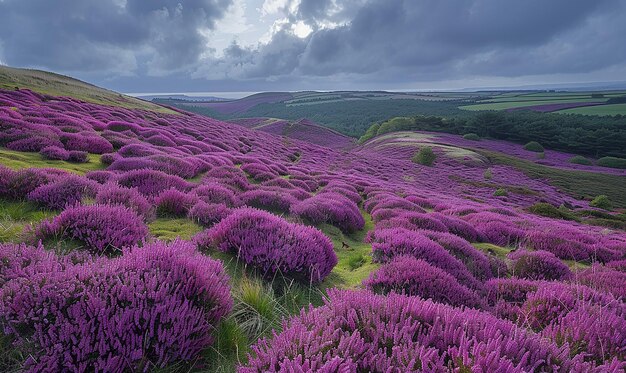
(518,104)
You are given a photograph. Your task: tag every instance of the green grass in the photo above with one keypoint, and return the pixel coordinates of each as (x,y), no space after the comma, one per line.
(15,216)
(524,103)
(346,274)
(168,229)
(601,110)
(579,184)
(59,85)
(17,160)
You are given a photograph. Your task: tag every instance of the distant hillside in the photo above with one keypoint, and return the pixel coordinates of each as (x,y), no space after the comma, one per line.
(60,85)
(303,129)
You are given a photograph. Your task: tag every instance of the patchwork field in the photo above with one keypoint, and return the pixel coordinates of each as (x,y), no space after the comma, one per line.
(585,103)
(141,240)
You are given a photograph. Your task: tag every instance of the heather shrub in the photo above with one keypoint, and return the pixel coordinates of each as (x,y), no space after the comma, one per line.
(18,184)
(272,244)
(174,203)
(271,200)
(499,233)
(331,208)
(425,156)
(145,318)
(605,279)
(390,243)
(360,331)
(579,159)
(591,331)
(538,265)
(68,190)
(216,193)
(100,176)
(563,246)
(151,183)
(207,214)
(534,146)
(471,136)
(108,158)
(113,194)
(55,153)
(602,202)
(99,228)
(507,295)
(475,260)
(612,162)
(553,300)
(415,277)
(78,156)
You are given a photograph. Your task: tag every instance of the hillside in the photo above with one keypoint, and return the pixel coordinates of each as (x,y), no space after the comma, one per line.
(58,85)
(134,239)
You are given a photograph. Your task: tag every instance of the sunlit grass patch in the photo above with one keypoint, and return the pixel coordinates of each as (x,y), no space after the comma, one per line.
(167,229)
(17,160)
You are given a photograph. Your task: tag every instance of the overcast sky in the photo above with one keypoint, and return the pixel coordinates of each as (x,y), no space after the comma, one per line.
(260,45)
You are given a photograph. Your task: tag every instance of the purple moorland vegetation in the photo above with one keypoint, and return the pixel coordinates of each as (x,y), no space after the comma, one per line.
(359,331)
(98,228)
(272,244)
(410,276)
(446,218)
(145,317)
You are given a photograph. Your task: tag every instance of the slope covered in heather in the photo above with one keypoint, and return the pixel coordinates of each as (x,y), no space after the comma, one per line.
(140,240)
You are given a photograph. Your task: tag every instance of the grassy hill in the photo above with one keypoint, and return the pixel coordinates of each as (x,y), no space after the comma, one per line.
(59,85)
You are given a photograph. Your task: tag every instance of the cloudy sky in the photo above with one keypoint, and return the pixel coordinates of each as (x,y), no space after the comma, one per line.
(259,45)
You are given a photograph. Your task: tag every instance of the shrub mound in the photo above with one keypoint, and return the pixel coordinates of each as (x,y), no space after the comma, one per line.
(612,162)
(538,265)
(471,136)
(332,208)
(579,159)
(425,156)
(415,277)
(100,228)
(534,146)
(360,331)
(113,194)
(148,308)
(272,244)
(68,190)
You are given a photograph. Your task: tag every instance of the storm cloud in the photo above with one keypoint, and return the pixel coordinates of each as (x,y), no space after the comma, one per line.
(314,43)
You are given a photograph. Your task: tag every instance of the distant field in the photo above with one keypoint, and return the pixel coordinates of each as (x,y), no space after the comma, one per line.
(518,104)
(585,103)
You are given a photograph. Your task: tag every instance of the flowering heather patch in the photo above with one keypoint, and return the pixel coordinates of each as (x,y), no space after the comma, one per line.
(145,318)
(507,295)
(268,200)
(68,190)
(55,153)
(538,265)
(174,203)
(151,183)
(331,208)
(78,156)
(113,194)
(359,331)
(390,243)
(207,214)
(605,279)
(410,276)
(18,184)
(100,228)
(216,193)
(272,244)
(475,261)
